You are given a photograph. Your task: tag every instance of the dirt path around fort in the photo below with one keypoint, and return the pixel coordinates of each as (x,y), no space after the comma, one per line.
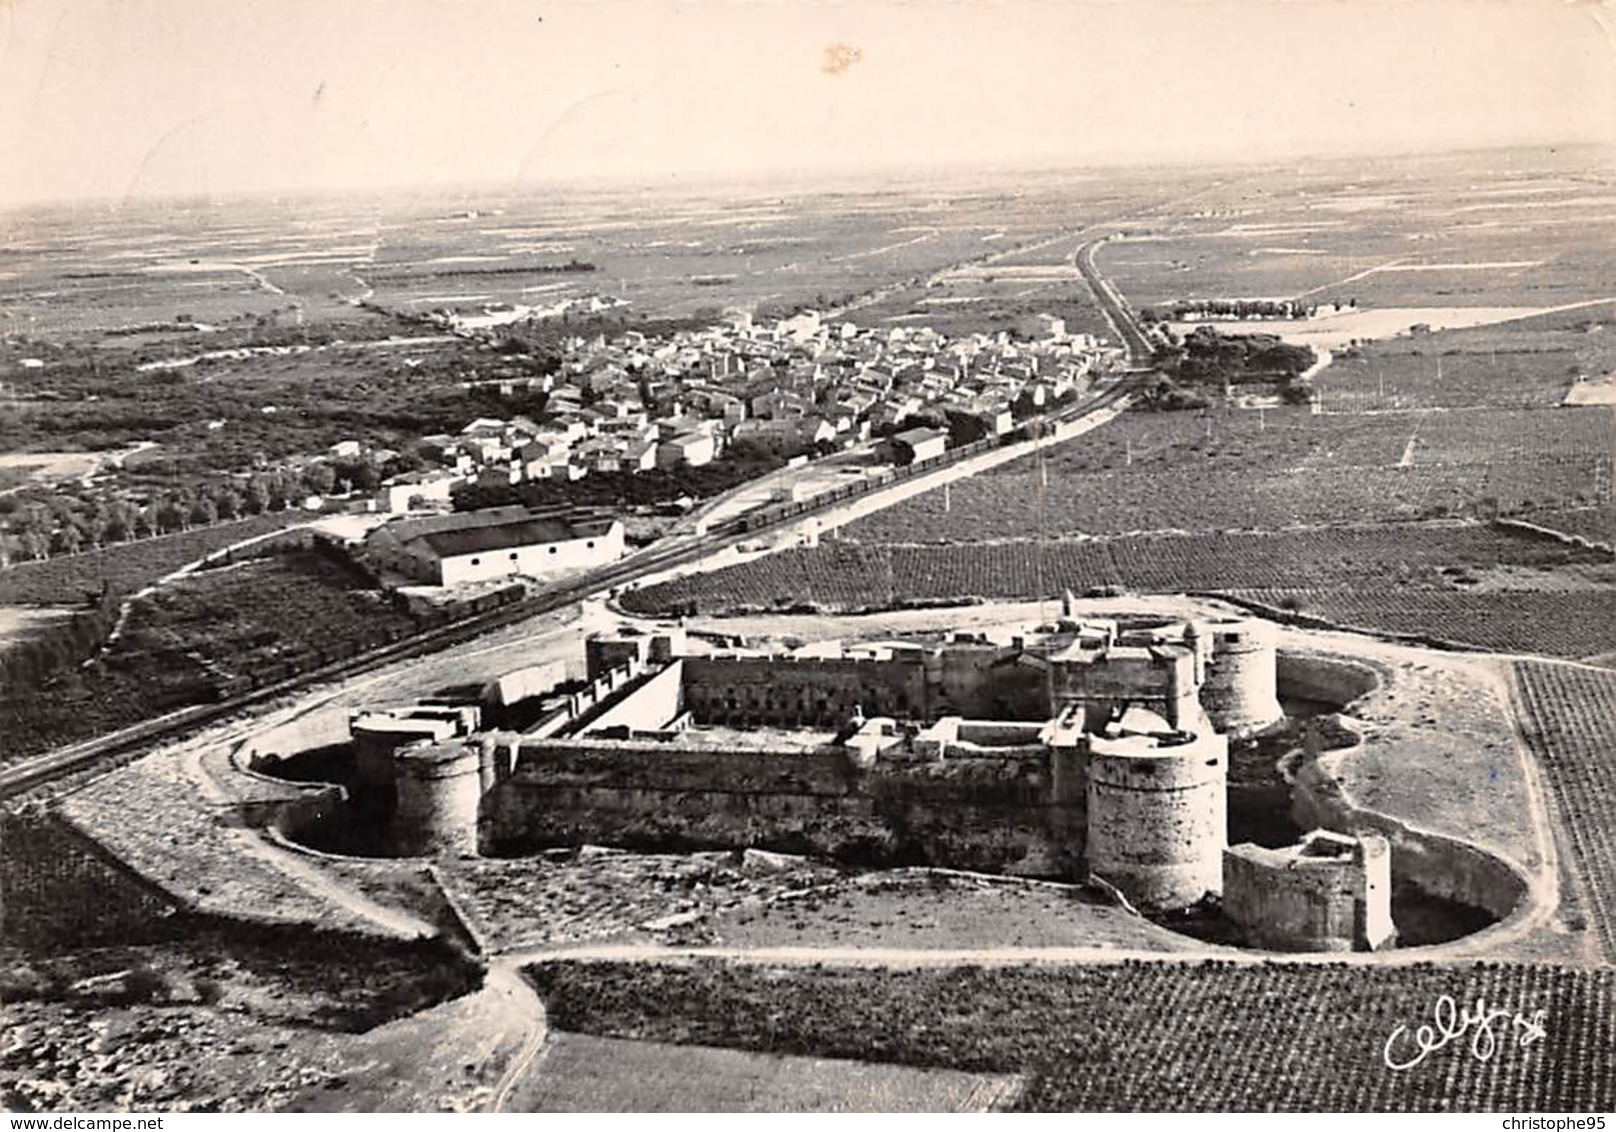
(251,844)
(506,973)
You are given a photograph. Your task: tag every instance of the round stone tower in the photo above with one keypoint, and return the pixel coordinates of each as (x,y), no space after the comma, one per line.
(439,791)
(1239,691)
(1157,816)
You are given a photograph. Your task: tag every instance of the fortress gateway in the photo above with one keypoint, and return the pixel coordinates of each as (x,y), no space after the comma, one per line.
(1074,749)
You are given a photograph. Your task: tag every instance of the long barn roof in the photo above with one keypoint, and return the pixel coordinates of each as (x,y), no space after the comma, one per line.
(526,531)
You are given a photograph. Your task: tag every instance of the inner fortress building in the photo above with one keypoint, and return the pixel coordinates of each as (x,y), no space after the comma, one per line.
(1078,749)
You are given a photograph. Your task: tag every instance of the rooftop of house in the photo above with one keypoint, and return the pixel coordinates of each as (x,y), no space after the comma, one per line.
(521,525)
(914,436)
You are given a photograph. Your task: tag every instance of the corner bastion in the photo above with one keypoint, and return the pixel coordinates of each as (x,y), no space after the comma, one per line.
(1240,690)
(439,793)
(1157,815)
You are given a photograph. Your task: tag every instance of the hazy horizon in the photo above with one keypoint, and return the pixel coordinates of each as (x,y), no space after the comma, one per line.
(107,100)
(955,180)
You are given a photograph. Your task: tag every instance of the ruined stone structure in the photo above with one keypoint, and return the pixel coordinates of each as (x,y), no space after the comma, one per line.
(605,651)
(1329,892)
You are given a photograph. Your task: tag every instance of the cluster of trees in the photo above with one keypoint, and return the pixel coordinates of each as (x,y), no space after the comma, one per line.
(1023,408)
(966,427)
(962,427)
(1205,357)
(1164,395)
(821,302)
(224,415)
(37,525)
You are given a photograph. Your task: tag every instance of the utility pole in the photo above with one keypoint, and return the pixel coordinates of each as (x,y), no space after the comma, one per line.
(1043,484)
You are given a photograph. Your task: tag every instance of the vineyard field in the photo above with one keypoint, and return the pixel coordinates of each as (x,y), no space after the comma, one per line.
(1134,1036)
(1249,471)
(1388,376)
(1563,623)
(129,566)
(586,1074)
(260,612)
(264,619)
(1383,564)
(1569,719)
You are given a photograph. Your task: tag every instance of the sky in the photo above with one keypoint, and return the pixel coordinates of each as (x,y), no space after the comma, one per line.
(129,98)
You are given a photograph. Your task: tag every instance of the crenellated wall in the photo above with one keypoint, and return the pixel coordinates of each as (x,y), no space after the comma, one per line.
(653,704)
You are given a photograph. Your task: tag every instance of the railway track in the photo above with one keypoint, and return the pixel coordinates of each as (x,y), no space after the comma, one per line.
(107,750)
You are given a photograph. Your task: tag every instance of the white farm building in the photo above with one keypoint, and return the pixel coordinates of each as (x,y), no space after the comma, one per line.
(497,542)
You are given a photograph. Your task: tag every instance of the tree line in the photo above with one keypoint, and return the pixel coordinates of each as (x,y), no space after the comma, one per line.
(38,526)
(1233,308)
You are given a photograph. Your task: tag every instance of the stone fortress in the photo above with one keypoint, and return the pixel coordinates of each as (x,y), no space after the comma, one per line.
(1077,749)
